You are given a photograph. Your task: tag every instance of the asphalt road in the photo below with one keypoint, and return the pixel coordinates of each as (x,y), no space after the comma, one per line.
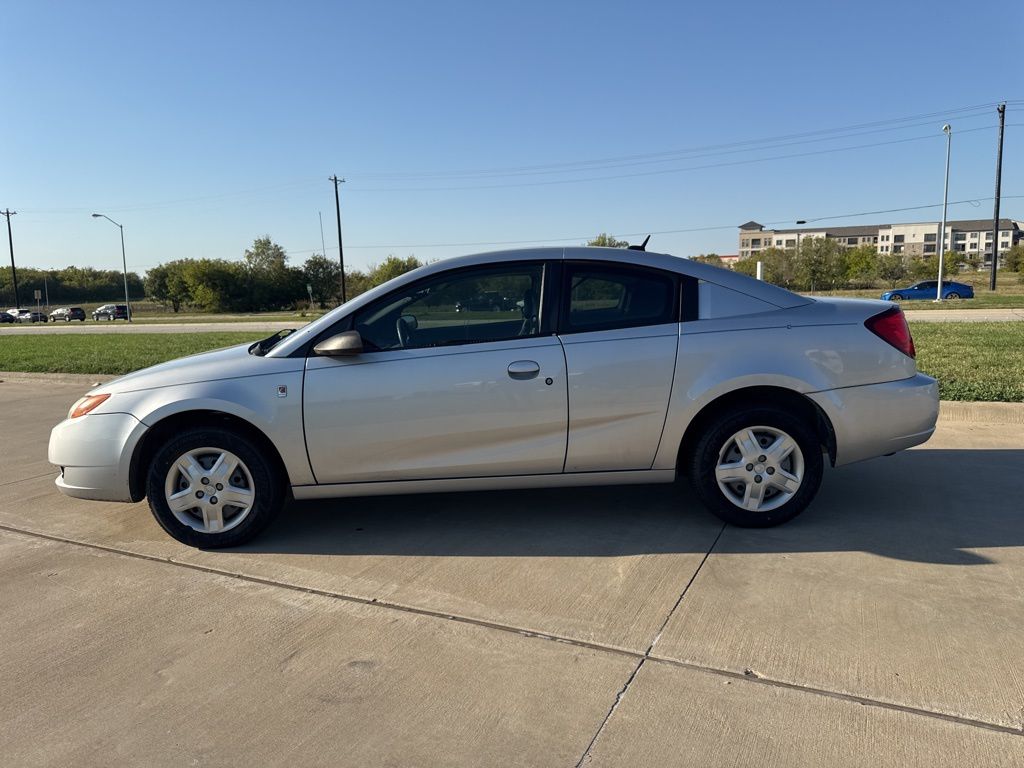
(605,627)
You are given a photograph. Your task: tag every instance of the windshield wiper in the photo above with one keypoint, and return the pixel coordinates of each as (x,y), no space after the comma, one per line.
(261,348)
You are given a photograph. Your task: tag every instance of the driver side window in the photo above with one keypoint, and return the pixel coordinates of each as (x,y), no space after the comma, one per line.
(468,306)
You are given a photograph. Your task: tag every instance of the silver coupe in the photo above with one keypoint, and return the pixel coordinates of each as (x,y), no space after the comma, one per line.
(613,367)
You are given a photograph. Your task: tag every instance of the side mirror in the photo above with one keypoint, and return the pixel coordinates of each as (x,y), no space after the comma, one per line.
(410,322)
(340,345)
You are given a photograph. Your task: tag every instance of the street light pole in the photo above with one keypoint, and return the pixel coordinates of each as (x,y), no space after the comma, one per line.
(124,263)
(341,252)
(10,241)
(945,200)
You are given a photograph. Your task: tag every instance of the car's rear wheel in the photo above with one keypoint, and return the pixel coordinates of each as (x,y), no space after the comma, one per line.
(757,467)
(212,488)
(953,295)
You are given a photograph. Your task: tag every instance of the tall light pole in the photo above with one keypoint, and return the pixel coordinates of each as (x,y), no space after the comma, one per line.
(341,252)
(124,262)
(10,241)
(945,199)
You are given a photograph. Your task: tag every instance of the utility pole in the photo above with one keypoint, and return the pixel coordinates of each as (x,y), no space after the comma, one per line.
(341,252)
(10,241)
(995,215)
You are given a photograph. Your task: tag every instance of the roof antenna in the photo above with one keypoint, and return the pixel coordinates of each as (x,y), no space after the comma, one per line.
(641,247)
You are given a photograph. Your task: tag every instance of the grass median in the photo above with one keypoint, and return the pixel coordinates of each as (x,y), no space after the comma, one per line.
(972,361)
(107,353)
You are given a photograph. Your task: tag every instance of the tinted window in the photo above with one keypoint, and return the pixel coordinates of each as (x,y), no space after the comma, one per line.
(478,305)
(602,298)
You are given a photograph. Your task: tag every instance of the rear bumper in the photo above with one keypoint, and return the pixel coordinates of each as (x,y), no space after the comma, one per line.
(94,453)
(879,419)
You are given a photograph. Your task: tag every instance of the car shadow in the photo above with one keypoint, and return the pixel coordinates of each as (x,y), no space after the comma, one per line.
(933,506)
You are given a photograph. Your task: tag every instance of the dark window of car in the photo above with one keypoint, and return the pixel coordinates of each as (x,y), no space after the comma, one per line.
(461,307)
(600,297)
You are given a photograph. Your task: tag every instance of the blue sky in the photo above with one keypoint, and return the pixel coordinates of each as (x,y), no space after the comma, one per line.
(201,126)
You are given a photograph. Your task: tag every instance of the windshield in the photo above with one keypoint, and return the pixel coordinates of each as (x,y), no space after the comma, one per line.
(261,348)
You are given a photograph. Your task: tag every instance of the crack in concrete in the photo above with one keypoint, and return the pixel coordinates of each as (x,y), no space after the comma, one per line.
(647,654)
(641,658)
(26,479)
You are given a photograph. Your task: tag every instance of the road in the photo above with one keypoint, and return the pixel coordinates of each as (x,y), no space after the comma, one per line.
(258,327)
(598,627)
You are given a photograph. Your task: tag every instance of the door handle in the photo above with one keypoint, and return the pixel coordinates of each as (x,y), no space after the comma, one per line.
(523,369)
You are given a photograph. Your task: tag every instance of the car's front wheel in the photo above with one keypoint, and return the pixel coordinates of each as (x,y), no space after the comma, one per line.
(896,297)
(757,467)
(212,488)
(953,295)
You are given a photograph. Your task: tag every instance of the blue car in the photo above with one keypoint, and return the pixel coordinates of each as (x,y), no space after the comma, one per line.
(927,289)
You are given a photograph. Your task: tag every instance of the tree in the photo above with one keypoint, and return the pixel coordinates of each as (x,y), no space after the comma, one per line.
(270,282)
(216,285)
(392,267)
(708,258)
(605,240)
(323,276)
(892,268)
(1013,259)
(820,265)
(862,266)
(166,284)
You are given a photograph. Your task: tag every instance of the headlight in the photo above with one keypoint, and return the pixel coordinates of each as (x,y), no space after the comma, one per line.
(86,404)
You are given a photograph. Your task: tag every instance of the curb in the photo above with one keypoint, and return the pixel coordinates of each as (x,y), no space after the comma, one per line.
(949,410)
(82,379)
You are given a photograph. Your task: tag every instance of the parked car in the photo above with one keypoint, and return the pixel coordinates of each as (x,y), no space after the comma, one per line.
(31,316)
(110,312)
(620,367)
(67,314)
(492,301)
(928,289)
(7,317)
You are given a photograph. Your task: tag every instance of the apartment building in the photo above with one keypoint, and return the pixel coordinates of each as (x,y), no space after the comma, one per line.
(972,237)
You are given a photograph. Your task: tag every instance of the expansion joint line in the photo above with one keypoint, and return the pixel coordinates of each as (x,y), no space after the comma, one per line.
(647,654)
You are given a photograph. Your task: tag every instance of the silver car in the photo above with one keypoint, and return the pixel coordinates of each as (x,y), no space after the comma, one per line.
(618,366)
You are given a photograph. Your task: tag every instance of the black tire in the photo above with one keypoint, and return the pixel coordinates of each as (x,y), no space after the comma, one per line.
(896,297)
(267,484)
(704,460)
(953,295)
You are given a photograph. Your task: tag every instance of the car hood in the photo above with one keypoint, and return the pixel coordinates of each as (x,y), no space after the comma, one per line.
(228,363)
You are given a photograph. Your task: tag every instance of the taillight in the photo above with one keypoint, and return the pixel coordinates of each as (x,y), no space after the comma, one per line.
(891,327)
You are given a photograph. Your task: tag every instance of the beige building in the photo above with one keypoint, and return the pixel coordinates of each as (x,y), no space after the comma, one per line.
(972,237)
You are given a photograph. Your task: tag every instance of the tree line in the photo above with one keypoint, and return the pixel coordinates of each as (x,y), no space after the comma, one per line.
(822,264)
(263,281)
(68,285)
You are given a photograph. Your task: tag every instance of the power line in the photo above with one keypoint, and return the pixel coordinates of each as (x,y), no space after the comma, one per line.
(982,111)
(688,230)
(639,174)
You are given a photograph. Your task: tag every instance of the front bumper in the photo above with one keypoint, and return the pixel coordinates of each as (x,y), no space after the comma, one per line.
(94,453)
(879,419)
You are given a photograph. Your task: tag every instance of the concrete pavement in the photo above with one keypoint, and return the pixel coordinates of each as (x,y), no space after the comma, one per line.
(620,626)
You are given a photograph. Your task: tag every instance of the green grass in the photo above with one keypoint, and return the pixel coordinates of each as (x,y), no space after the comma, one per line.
(114,353)
(973,361)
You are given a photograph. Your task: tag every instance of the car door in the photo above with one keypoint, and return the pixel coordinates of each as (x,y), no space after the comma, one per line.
(619,326)
(439,393)
(925,290)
